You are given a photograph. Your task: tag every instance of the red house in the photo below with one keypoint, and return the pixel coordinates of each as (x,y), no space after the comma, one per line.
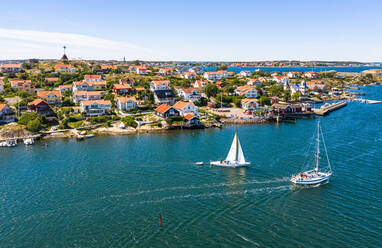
(121,89)
(220,84)
(40,107)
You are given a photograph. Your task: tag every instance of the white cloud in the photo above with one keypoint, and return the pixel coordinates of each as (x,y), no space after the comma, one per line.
(79,43)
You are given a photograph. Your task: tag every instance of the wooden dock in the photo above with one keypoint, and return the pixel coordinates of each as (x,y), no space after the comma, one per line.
(330,108)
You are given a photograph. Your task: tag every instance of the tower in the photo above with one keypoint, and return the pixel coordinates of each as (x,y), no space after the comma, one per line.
(64,57)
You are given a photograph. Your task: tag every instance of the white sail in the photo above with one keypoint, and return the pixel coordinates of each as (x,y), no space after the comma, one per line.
(232,154)
(240,156)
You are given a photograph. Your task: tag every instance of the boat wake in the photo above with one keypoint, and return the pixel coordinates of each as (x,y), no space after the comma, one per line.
(203,186)
(213,194)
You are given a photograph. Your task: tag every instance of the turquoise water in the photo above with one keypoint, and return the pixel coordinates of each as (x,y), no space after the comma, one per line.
(298,68)
(108,191)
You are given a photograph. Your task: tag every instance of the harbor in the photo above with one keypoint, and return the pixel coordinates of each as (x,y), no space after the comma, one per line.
(327,108)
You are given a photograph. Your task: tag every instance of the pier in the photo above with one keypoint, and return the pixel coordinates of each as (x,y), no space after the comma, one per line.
(326,110)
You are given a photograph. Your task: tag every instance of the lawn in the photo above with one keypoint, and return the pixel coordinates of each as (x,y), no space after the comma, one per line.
(75,124)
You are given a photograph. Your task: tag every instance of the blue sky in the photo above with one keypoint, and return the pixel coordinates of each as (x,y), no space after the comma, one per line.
(193,30)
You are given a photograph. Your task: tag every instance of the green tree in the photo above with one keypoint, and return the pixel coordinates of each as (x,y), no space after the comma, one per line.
(286,96)
(276,90)
(34,125)
(202,102)
(296,96)
(263,100)
(26,117)
(210,90)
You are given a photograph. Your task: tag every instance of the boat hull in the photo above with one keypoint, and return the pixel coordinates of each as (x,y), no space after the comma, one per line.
(231,165)
(318,179)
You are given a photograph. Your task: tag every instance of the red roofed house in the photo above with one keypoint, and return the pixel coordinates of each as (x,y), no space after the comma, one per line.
(10,68)
(311,74)
(121,89)
(129,81)
(52,80)
(79,96)
(93,78)
(186,107)
(40,106)
(192,120)
(138,69)
(159,85)
(126,103)
(82,86)
(219,84)
(189,75)
(215,75)
(316,85)
(65,88)
(248,91)
(50,96)
(189,94)
(7,115)
(200,83)
(26,85)
(165,111)
(95,107)
(64,68)
(249,104)
(166,71)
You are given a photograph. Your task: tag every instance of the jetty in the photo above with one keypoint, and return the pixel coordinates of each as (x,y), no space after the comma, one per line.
(324,110)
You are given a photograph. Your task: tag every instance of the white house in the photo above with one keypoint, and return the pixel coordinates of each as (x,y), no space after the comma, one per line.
(79,96)
(280,79)
(82,86)
(7,115)
(159,85)
(244,74)
(293,74)
(215,75)
(126,103)
(1,86)
(95,107)
(311,74)
(93,78)
(249,104)
(189,94)
(10,68)
(186,107)
(138,69)
(189,75)
(248,91)
(255,82)
(200,83)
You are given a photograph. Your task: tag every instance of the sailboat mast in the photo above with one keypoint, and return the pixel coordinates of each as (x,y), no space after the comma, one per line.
(236,157)
(318,146)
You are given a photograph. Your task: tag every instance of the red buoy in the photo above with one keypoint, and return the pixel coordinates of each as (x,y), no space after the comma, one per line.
(160,218)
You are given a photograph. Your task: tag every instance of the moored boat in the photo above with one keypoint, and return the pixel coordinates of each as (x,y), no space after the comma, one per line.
(28,141)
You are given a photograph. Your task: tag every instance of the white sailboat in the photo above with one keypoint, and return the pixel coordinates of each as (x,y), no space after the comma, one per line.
(235,157)
(315,176)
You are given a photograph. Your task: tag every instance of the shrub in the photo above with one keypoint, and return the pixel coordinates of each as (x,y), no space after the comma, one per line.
(129,121)
(26,117)
(34,125)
